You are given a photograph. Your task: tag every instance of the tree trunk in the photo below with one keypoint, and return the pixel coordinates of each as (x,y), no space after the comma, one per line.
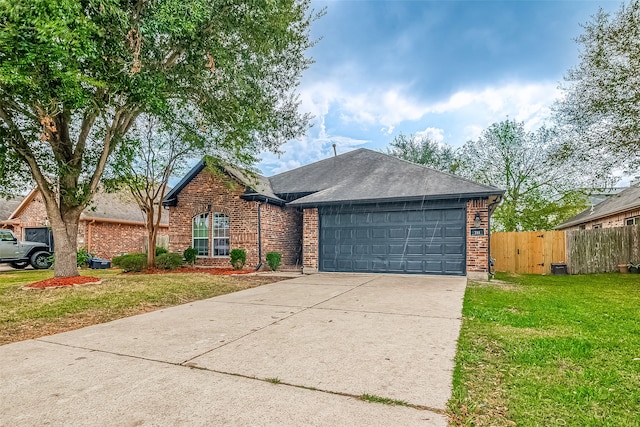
(65,234)
(152,235)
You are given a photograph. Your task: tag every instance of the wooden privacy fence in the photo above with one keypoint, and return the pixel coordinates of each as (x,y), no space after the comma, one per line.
(528,252)
(584,251)
(601,250)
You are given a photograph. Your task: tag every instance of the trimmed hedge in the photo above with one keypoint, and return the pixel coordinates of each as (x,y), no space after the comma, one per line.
(131,262)
(160,250)
(190,255)
(238,257)
(274,259)
(169,261)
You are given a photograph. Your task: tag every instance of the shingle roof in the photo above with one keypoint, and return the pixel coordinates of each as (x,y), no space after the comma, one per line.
(623,201)
(117,206)
(364,175)
(358,176)
(8,206)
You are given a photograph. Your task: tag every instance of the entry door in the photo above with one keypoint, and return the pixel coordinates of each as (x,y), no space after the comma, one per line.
(427,241)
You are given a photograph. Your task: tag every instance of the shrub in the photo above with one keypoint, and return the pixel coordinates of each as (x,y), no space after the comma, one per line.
(131,262)
(273,259)
(160,250)
(238,257)
(83,257)
(169,261)
(190,255)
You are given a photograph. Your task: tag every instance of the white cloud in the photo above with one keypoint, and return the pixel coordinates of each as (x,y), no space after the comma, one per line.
(434,134)
(378,112)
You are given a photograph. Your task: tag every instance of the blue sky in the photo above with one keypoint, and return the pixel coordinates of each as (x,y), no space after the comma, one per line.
(446,69)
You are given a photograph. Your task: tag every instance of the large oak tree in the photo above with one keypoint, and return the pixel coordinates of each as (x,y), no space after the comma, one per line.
(600,108)
(76,74)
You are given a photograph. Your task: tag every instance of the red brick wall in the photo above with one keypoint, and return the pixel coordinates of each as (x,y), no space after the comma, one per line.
(282,232)
(477,246)
(107,240)
(281,226)
(310,239)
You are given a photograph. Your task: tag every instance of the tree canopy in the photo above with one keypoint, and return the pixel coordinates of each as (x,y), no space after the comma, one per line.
(600,109)
(76,74)
(540,190)
(423,151)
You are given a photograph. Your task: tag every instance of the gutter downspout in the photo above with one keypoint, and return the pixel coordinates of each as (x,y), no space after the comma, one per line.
(259,238)
(498,200)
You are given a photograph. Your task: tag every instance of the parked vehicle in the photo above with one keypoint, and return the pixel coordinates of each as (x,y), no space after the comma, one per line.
(20,254)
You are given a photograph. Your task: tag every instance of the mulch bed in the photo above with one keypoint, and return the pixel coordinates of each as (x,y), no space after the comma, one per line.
(64,282)
(68,282)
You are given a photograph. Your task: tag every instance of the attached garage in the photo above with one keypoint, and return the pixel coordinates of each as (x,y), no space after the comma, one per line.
(393,238)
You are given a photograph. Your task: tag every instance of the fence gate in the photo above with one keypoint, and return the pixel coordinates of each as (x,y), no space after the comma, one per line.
(528,252)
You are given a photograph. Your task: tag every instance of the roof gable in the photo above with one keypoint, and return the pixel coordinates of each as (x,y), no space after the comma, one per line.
(257,186)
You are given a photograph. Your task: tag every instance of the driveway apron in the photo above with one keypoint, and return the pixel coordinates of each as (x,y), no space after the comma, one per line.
(296,352)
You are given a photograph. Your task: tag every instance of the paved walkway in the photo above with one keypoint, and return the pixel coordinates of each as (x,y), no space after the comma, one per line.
(296,352)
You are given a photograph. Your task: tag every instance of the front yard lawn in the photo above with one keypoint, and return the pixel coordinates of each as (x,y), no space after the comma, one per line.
(549,351)
(26,314)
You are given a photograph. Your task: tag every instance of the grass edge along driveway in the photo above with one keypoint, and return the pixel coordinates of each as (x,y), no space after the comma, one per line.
(28,314)
(549,351)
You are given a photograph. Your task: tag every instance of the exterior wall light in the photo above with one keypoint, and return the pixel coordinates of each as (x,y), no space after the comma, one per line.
(477,220)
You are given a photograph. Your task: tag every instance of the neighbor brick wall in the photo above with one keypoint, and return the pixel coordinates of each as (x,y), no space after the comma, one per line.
(282,232)
(103,239)
(477,246)
(107,240)
(310,239)
(609,221)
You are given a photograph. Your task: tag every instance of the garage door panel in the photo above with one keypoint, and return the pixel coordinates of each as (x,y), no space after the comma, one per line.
(409,241)
(378,249)
(397,233)
(379,233)
(414,249)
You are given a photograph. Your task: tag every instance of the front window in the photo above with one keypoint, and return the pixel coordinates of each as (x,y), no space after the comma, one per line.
(201,234)
(220,234)
(632,221)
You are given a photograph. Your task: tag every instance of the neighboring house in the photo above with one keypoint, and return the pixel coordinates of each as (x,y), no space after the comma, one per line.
(616,210)
(362,211)
(111,225)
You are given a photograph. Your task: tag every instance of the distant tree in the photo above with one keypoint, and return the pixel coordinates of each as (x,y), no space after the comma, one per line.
(76,74)
(540,192)
(153,153)
(424,151)
(600,109)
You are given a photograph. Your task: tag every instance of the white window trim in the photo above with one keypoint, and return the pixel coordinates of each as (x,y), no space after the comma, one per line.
(213,238)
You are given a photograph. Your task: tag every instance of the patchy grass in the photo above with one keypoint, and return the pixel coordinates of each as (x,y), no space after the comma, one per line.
(274,380)
(548,351)
(26,314)
(384,400)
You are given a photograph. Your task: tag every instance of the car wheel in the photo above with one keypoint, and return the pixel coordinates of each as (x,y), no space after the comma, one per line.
(40,260)
(19,264)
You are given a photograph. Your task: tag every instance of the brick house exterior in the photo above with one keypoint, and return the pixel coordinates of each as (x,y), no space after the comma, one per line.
(209,193)
(360,211)
(111,226)
(617,210)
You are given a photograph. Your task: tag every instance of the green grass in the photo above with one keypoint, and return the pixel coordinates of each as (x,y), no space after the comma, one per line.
(28,314)
(384,400)
(549,350)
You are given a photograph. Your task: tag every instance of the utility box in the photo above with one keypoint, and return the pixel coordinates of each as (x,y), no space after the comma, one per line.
(559,269)
(99,263)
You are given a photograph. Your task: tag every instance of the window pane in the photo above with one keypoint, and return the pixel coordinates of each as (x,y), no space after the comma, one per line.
(200,228)
(220,233)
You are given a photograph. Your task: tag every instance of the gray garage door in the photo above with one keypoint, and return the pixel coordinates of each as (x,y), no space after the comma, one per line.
(393,239)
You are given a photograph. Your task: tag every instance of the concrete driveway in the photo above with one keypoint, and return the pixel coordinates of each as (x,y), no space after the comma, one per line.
(291,353)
